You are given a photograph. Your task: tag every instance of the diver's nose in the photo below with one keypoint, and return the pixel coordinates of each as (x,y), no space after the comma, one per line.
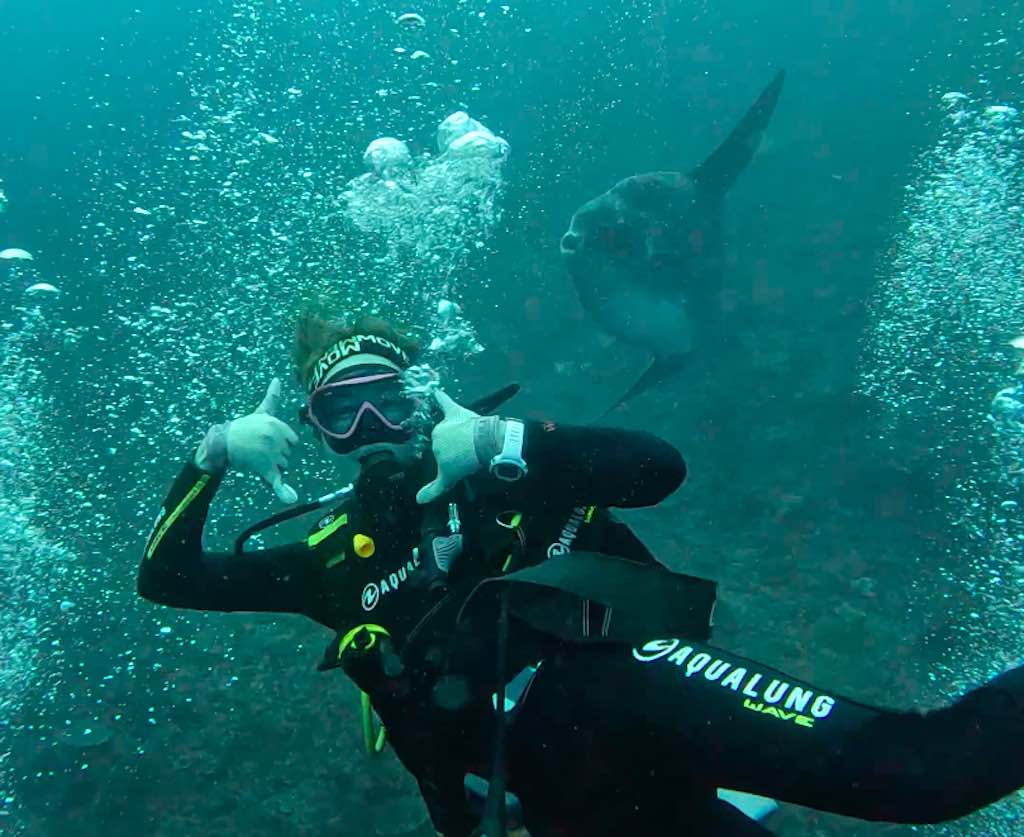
(571,242)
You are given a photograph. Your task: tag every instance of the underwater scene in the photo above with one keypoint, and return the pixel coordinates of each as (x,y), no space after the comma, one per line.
(615,412)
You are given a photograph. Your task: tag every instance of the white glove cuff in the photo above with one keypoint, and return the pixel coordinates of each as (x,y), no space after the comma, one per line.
(488,438)
(212,455)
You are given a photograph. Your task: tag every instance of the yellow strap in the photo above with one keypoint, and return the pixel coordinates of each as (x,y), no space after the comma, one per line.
(350,637)
(174,515)
(328,530)
(517,518)
(374,733)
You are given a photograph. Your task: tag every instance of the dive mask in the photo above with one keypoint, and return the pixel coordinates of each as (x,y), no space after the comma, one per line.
(367,408)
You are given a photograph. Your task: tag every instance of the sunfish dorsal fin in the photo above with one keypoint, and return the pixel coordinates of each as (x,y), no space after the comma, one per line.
(660,370)
(718,173)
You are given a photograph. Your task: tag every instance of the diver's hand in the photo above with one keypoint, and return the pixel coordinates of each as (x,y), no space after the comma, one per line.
(462,443)
(262,443)
(259,442)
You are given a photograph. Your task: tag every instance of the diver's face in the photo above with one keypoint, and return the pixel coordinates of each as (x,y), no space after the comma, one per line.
(363,411)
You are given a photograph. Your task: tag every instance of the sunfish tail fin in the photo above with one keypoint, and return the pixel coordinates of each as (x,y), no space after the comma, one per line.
(660,370)
(719,172)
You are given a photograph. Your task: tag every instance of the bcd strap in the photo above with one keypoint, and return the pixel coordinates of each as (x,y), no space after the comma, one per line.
(374,734)
(637,601)
(360,640)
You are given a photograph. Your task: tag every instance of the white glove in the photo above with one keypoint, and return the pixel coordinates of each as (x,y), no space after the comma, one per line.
(462,442)
(259,442)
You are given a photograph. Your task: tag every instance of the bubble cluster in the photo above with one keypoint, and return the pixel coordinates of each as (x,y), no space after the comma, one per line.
(949,301)
(34,568)
(938,358)
(430,216)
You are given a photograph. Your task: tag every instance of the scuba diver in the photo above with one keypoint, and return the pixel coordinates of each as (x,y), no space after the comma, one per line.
(525,654)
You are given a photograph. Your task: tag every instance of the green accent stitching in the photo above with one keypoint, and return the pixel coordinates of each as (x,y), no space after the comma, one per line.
(174,515)
(374,732)
(327,531)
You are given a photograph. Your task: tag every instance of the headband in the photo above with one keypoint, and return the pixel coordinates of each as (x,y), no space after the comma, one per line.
(333,357)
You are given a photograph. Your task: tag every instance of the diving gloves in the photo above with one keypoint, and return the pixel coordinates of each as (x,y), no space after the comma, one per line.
(259,442)
(464,442)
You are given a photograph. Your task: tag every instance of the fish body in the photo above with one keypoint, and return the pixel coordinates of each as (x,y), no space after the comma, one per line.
(646,256)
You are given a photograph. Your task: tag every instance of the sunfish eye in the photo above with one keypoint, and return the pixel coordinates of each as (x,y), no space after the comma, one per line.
(571,242)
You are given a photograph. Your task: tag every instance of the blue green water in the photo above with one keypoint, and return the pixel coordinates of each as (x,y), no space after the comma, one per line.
(842,465)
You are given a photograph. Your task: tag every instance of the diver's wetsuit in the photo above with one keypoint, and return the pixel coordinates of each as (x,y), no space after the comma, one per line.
(610,735)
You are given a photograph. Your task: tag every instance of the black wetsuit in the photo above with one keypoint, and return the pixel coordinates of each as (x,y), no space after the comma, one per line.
(611,737)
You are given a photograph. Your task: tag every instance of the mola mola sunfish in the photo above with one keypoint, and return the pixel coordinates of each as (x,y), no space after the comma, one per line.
(646,256)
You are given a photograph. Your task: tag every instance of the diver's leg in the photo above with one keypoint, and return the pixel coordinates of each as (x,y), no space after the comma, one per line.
(694,717)
(579,774)
(593,736)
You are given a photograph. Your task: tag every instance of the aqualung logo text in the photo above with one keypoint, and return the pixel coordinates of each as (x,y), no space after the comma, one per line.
(777,698)
(373,591)
(579,516)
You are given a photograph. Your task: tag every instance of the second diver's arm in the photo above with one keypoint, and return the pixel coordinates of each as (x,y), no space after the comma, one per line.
(765,732)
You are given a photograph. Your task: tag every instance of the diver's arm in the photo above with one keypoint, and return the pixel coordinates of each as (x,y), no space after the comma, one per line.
(549,464)
(177,572)
(598,466)
(764,732)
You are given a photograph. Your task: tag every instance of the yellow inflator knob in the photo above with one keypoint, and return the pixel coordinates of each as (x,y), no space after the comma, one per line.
(363,545)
